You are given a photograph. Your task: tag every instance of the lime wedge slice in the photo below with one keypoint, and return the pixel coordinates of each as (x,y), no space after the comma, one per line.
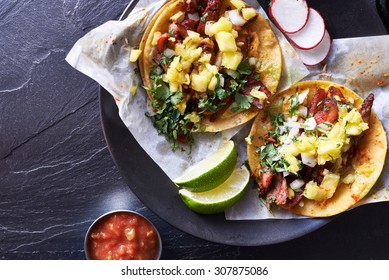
(211,171)
(218,199)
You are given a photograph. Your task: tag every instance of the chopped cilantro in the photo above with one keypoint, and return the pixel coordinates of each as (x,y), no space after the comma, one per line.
(294,103)
(243,102)
(204,17)
(244,68)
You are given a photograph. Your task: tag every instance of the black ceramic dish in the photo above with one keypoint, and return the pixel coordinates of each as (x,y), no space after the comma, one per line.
(160,195)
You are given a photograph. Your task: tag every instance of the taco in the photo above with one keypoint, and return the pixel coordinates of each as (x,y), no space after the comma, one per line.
(208,66)
(317,150)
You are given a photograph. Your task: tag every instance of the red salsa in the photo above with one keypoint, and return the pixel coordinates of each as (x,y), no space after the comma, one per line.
(123,236)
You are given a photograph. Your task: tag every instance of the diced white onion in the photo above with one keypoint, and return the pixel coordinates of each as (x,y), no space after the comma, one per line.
(303,95)
(292,119)
(194,17)
(292,124)
(221,80)
(303,112)
(285,173)
(297,184)
(235,17)
(253,61)
(326,171)
(325,126)
(310,124)
(169,52)
(308,160)
(294,132)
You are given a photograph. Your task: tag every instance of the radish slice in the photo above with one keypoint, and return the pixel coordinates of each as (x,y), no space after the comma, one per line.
(312,33)
(318,54)
(290,16)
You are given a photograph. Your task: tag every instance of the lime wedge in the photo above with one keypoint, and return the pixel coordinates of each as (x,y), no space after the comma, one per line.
(218,199)
(211,171)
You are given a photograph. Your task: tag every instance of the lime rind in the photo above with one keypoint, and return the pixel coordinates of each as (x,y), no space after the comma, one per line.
(210,172)
(220,198)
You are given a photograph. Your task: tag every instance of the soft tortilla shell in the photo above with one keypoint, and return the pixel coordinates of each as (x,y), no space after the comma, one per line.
(268,54)
(366,165)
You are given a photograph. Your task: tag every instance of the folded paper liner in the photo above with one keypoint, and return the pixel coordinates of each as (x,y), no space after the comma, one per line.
(103,55)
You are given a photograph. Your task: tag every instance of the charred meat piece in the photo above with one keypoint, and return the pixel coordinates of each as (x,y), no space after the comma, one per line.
(264,181)
(279,190)
(335,92)
(319,96)
(291,203)
(178,31)
(190,24)
(366,108)
(162,42)
(210,13)
(191,6)
(253,82)
(329,113)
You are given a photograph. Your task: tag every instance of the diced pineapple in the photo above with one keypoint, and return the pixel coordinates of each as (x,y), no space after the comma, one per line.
(178,17)
(294,164)
(174,86)
(306,144)
(134,55)
(235,33)
(156,36)
(289,154)
(326,189)
(226,42)
(212,84)
(194,117)
(239,4)
(205,58)
(354,124)
(175,75)
(194,36)
(291,193)
(231,60)
(249,13)
(181,106)
(223,24)
(349,179)
(328,150)
(211,68)
(133,88)
(199,82)
(291,150)
(260,95)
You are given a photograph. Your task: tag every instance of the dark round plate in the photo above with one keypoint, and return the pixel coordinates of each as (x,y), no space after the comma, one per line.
(150,184)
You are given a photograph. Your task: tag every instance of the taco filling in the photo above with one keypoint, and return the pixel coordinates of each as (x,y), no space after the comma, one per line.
(207,66)
(312,153)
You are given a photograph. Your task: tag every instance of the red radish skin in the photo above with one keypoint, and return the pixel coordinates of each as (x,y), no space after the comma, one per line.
(317,54)
(289,15)
(312,33)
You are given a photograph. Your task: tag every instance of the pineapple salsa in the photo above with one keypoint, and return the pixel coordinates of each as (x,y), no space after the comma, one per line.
(307,150)
(205,64)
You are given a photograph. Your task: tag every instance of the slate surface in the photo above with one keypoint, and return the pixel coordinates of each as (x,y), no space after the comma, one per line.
(56,171)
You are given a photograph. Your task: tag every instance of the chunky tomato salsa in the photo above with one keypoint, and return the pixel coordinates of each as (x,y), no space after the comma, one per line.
(123,236)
